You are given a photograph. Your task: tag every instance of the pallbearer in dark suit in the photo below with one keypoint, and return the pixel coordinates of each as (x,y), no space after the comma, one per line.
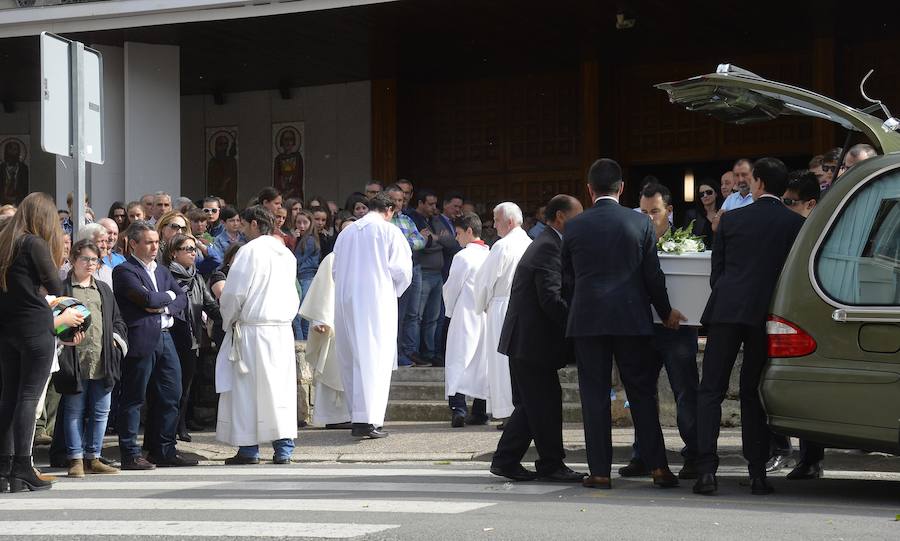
(534,339)
(609,253)
(751,246)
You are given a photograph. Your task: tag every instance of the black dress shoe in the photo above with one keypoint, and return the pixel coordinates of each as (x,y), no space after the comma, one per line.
(418,360)
(436,361)
(564,475)
(240,460)
(502,425)
(362,430)
(688,471)
(339,426)
(759,486)
(458,420)
(183,436)
(777,462)
(805,471)
(174,461)
(137,463)
(515,473)
(706,484)
(281,460)
(476,420)
(635,468)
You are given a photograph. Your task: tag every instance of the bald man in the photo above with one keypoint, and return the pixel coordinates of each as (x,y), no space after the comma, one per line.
(113,257)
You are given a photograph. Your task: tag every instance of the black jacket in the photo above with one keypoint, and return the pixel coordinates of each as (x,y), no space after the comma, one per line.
(609,254)
(188,331)
(751,246)
(535,324)
(69,378)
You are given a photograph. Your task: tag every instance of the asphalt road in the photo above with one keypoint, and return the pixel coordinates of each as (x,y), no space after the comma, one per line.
(440,501)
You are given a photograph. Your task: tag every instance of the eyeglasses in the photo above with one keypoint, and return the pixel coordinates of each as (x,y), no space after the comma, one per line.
(188,249)
(829,168)
(704,193)
(210,211)
(177,227)
(88,259)
(791,202)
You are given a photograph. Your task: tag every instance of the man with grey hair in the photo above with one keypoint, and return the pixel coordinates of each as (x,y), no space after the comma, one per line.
(99,236)
(147,204)
(857,153)
(256,371)
(487,376)
(112,257)
(162,203)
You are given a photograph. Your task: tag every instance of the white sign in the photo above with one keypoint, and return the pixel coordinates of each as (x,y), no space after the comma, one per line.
(57,132)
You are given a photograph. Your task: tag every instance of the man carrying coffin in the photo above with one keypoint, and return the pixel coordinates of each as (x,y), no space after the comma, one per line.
(466,332)
(534,337)
(372,268)
(609,253)
(488,376)
(256,370)
(676,350)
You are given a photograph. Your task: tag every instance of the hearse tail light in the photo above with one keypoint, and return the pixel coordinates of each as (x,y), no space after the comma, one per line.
(787,339)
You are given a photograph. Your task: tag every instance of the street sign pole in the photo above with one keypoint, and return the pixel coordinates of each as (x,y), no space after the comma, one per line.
(77,51)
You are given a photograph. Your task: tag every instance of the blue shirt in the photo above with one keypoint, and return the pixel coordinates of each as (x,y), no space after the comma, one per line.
(736,201)
(308,260)
(113,259)
(223,241)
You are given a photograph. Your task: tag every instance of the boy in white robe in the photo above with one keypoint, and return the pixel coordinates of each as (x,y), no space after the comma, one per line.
(466,330)
(256,369)
(488,377)
(372,268)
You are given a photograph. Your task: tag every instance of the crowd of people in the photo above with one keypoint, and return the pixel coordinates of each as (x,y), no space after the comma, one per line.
(398,277)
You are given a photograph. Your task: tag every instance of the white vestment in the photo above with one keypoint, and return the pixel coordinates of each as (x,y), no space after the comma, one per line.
(256,369)
(372,268)
(464,336)
(318,308)
(487,377)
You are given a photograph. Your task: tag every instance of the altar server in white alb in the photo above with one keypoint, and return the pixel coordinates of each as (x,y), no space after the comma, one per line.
(256,369)
(465,334)
(372,268)
(331,408)
(488,377)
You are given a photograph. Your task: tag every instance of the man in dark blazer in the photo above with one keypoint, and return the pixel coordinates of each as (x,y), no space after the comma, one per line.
(749,251)
(534,339)
(609,254)
(149,298)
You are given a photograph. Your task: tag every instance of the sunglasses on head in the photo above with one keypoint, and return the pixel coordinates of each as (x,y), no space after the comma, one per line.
(704,193)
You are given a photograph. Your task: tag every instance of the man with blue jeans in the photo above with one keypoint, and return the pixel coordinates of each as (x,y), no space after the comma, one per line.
(677,351)
(149,299)
(407,310)
(431,261)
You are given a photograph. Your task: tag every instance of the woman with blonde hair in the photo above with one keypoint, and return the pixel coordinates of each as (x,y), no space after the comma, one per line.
(170,224)
(31,252)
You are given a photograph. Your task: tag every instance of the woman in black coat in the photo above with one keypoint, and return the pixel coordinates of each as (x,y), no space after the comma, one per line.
(189,328)
(707,202)
(89,371)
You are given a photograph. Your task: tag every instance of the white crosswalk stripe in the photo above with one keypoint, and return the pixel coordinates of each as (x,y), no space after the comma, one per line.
(328,502)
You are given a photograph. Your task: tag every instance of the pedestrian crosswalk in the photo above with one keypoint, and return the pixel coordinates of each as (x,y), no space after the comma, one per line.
(309,501)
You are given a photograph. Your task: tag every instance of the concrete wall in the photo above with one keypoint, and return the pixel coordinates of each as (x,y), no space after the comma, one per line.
(337,137)
(26,120)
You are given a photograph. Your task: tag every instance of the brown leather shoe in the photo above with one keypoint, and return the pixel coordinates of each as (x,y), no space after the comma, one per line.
(664,478)
(595,481)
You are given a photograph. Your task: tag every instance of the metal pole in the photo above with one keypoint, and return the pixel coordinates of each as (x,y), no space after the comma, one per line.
(77,63)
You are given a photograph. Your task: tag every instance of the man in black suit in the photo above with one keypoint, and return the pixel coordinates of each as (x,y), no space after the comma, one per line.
(534,339)
(609,254)
(751,246)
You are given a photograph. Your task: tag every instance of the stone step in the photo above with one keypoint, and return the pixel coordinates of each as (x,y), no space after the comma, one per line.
(568,374)
(434,391)
(432,410)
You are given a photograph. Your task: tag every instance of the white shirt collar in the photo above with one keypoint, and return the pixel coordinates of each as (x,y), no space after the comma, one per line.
(775,197)
(614,198)
(151,268)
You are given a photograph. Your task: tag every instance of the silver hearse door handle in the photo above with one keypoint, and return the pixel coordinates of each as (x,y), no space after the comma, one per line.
(844,316)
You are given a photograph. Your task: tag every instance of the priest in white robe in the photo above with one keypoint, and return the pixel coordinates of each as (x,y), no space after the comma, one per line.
(330,408)
(488,376)
(464,336)
(256,369)
(372,269)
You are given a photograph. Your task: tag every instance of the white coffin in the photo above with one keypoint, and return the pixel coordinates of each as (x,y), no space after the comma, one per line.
(687,280)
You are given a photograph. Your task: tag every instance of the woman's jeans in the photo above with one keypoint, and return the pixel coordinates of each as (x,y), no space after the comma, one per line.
(24,369)
(84,436)
(304,323)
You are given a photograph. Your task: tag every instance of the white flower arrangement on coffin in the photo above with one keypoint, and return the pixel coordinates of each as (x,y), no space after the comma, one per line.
(680,241)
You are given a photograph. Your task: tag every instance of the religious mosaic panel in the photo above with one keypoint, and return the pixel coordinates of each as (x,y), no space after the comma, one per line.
(288,151)
(222,163)
(14,168)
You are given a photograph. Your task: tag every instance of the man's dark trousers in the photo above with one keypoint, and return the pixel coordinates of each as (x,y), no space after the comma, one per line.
(537,397)
(722,346)
(638,369)
(677,351)
(162,370)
